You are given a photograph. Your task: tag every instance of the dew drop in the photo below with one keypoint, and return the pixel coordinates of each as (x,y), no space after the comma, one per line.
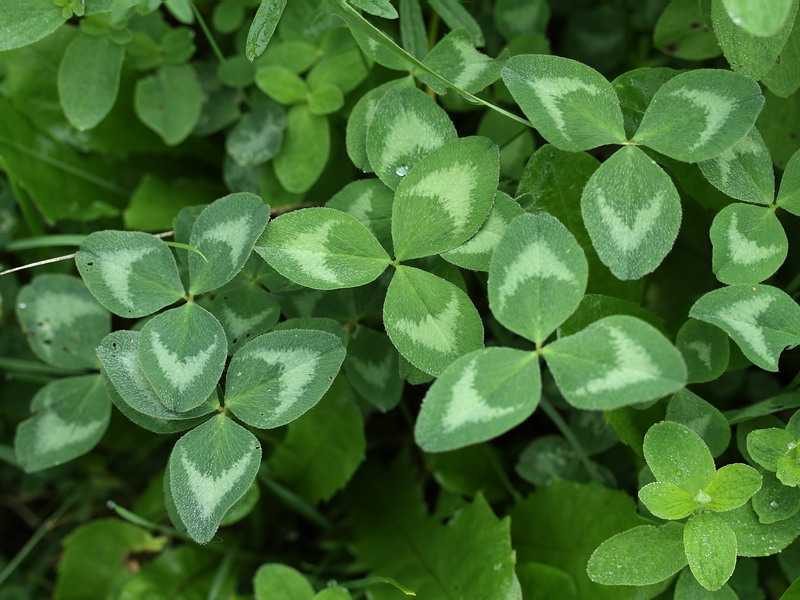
(774,504)
(22,305)
(402,171)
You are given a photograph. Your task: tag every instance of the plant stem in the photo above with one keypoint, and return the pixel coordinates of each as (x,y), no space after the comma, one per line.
(207,33)
(570,436)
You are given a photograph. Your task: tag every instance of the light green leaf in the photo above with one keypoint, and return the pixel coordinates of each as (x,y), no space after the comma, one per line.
(456,16)
(406,126)
(628,557)
(169,102)
(766,446)
(430,320)
(305,150)
(710,546)
(757,539)
(682,31)
(455,58)
(278,376)
(334,593)
(257,136)
(182,353)
(700,114)
(88,79)
(445,198)
(632,212)
(668,501)
(749,244)
(369,201)
(732,486)
(372,366)
(761,319)
(764,19)
(71,415)
(749,54)
(705,350)
(783,78)
(775,502)
(537,276)
(325,99)
(614,362)
(476,253)
(701,417)
(263,26)
(478,397)
(687,588)
(322,248)
(789,193)
(27,22)
(788,471)
(542,582)
(210,468)
(281,84)
(323,448)
(225,233)
(119,355)
(379,8)
(677,455)
(274,581)
(132,274)
(61,320)
(744,171)
(572,105)
(245,312)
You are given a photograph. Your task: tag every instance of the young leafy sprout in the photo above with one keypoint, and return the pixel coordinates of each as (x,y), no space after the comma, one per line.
(776,450)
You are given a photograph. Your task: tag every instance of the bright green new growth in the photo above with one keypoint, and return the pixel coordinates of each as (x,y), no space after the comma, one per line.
(762,20)
(776,450)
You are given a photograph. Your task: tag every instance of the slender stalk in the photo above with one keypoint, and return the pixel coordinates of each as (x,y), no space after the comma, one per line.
(44,241)
(570,436)
(29,214)
(220,576)
(207,32)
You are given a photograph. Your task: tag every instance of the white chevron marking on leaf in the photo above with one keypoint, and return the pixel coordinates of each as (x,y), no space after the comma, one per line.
(743,316)
(703,351)
(57,311)
(116,269)
(745,146)
(473,62)
(409,134)
(629,237)
(209,491)
(309,251)
(539,261)
(466,403)
(634,365)
(361,207)
(180,372)
(551,90)
(297,368)
(485,240)
(717,108)
(54,433)
(453,188)
(232,233)
(743,250)
(238,325)
(374,373)
(435,332)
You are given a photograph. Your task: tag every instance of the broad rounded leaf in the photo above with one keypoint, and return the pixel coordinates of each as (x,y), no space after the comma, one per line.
(766,446)
(668,501)
(677,455)
(182,353)
(732,486)
(681,31)
(210,468)
(788,471)
(701,417)
(169,102)
(537,276)
(757,539)
(305,150)
(132,274)
(632,212)
(322,248)
(775,502)
(406,126)
(710,546)
(614,362)
(61,320)
(263,26)
(278,376)
(455,58)
(700,114)
(225,233)
(274,581)
(372,365)
(749,244)
(688,588)
(761,319)
(705,349)
(245,312)
(789,193)
(257,136)
(71,416)
(763,19)
(445,198)
(481,395)
(629,558)
(369,201)
(430,320)
(573,106)
(27,22)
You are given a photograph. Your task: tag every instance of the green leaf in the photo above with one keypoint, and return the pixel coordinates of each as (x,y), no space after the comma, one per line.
(169,102)
(430,320)
(687,588)
(677,455)
(119,355)
(323,249)
(88,79)
(71,415)
(789,194)
(614,362)
(337,592)
(777,124)
(764,20)
(257,136)
(305,150)
(572,105)
(682,31)
(537,276)
(210,468)
(325,99)
(455,58)
(749,244)
(28,22)
(668,501)
(132,274)
(705,350)
(541,582)
(701,417)
(783,78)
(476,253)
(281,84)
(632,212)
(372,367)
(788,471)
(225,233)
(61,320)
(369,201)
(156,202)
(456,16)
(775,502)
(263,26)
(766,446)
(323,448)
(700,114)
(744,171)
(710,546)
(406,126)
(761,319)
(628,557)
(478,397)
(755,538)
(445,198)
(732,486)
(751,55)
(379,8)
(278,376)
(182,353)
(245,312)
(274,581)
